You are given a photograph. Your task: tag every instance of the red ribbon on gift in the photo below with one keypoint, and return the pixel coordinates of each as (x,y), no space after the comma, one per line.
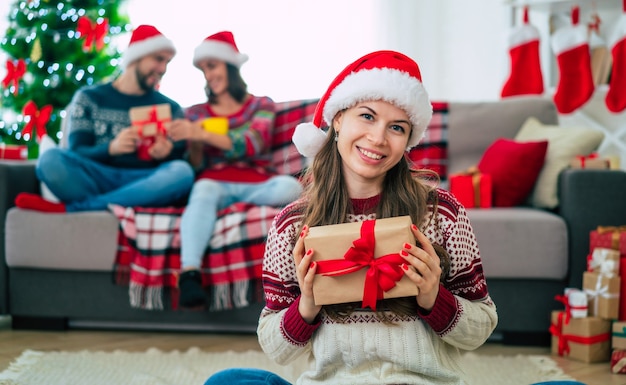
(564,339)
(15,72)
(38,119)
(382,273)
(92,32)
(153,117)
(583,158)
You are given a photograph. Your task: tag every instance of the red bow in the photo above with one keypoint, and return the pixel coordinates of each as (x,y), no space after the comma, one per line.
(382,273)
(92,32)
(153,117)
(38,119)
(14,73)
(564,339)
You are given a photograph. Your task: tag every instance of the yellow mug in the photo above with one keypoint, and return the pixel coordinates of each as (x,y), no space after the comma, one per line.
(217,125)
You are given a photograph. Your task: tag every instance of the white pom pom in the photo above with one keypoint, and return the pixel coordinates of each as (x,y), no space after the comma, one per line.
(308,139)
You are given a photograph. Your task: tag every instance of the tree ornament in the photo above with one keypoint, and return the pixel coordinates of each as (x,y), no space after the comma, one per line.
(615,99)
(37,119)
(92,32)
(575,85)
(35,53)
(525,77)
(15,72)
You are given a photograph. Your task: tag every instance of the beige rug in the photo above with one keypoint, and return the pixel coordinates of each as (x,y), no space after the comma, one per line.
(193,367)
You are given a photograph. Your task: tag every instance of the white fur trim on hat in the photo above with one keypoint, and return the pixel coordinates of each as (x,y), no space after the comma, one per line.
(218,50)
(145,47)
(308,139)
(393,86)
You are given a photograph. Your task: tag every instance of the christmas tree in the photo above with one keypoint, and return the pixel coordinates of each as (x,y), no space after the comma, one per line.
(54,48)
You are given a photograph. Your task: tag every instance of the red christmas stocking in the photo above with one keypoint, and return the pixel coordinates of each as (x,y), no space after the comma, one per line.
(525,77)
(571,47)
(616,96)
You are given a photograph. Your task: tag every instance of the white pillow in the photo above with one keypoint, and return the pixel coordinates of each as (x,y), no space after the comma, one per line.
(46,144)
(564,144)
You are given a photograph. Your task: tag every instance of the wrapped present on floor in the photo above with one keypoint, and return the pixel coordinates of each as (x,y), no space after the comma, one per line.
(13,151)
(604,261)
(582,339)
(472,188)
(603,295)
(591,161)
(360,261)
(575,302)
(609,237)
(618,338)
(618,361)
(150,121)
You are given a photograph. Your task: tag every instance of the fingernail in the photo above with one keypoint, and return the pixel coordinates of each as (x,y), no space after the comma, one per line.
(312,265)
(405,267)
(309,252)
(302,234)
(407,245)
(413,227)
(404,253)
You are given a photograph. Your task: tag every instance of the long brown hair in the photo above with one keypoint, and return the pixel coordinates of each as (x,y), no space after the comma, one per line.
(404,192)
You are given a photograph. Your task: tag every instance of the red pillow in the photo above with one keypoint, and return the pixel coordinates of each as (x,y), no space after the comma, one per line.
(514,168)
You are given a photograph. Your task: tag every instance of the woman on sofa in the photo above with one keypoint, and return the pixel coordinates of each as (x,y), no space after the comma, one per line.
(376,109)
(230,137)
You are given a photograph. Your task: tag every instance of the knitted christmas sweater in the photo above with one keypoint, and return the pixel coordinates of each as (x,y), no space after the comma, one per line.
(417,349)
(98,113)
(251,130)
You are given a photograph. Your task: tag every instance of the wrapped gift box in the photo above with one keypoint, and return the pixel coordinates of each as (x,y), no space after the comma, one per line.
(603,295)
(604,261)
(618,338)
(582,339)
(609,237)
(343,262)
(618,361)
(150,121)
(13,151)
(472,188)
(592,161)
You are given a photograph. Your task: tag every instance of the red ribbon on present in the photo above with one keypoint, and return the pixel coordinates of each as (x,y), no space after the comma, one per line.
(568,308)
(153,117)
(92,32)
(583,158)
(15,72)
(38,119)
(382,273)
(564,339)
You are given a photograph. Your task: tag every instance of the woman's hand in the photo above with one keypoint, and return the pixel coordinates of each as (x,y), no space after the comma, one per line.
(423,268)
(184,129)
(305,271)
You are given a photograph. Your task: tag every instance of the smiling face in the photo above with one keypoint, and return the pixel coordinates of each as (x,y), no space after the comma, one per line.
(150,69)
(216,75)
(372,138)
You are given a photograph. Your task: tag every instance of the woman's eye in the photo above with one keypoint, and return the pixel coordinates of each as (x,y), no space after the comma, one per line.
(367,116)
(398,128)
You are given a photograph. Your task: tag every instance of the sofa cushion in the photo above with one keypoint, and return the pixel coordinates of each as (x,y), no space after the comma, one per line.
(564,144)
(76,241)
(514,168)
(285,156)
(521,242)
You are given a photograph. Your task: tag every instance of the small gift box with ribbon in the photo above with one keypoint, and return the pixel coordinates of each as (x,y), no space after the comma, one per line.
(472,188)
(13,151)
(604,261)
(618,340)
(360,261)
(575,301)
(150,121)
(582,339)
(608,237)
(603,294)
(618,361)
(591,161)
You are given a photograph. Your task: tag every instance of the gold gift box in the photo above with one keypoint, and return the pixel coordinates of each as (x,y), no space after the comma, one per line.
(150,120)
(333,241)
(588,339)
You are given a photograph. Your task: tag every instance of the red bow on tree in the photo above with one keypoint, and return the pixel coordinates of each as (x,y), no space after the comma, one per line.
(14,73)
(92,32)
(38,119)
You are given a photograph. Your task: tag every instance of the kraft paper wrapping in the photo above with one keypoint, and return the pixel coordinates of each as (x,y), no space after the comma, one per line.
(150,120)
(603,295)
(618,340)
(333,241)
(582,339)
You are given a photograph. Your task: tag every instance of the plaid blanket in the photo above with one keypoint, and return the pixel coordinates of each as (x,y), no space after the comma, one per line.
(432,152)
(148,257)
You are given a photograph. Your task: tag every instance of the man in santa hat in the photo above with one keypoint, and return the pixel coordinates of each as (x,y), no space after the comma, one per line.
(104,162)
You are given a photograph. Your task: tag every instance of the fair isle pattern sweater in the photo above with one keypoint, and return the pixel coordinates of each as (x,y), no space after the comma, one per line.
(251,130)
(417,349)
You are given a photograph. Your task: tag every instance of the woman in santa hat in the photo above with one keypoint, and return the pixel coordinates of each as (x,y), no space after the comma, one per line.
(372,114)
(230,137)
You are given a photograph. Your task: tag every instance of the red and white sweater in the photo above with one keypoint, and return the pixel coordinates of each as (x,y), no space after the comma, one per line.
(417,349)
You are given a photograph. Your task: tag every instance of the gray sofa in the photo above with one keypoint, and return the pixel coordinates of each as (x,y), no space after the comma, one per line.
(47,279)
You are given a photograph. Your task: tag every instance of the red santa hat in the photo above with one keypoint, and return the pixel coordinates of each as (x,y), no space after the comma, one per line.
(145,40)
(219,46)
(381,75)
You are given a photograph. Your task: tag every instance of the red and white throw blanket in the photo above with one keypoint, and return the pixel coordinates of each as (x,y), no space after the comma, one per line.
(148,257)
